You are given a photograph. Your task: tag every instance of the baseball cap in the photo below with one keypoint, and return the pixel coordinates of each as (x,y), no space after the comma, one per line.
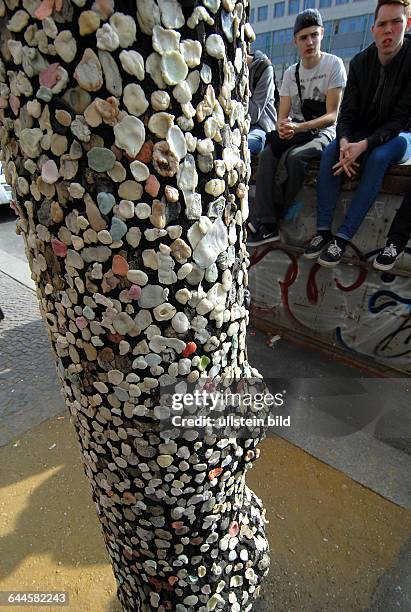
(307,18)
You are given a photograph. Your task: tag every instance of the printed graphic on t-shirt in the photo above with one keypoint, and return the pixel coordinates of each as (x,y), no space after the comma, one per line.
(329,73)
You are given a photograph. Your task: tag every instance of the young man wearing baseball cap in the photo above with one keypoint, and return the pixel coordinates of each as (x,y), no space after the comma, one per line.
(310,96)
(374,125)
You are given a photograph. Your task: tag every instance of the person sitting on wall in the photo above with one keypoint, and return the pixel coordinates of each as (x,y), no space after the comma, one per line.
(262,102)
(398,236)
(375,112)
(310,96)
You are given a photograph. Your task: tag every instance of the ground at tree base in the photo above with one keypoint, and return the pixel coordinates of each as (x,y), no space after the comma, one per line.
(331,539)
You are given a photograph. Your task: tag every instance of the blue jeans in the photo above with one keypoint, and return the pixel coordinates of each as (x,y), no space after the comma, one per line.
(256,139)
(374,165)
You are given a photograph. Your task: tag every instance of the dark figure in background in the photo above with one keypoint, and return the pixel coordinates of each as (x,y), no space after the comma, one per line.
(262,103)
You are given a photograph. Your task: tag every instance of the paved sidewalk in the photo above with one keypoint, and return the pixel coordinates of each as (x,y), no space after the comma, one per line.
(332,541)
(359,424)
(29,393)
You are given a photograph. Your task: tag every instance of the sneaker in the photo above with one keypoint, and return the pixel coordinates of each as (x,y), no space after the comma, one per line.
(331,256)
(386,258)
(317,244)
(263,234)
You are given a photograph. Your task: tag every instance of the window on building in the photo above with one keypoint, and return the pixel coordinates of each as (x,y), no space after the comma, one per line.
(279,9)
(263,43)
(328,31)
(262,13)
(294,7)
(309,4)
(348,52)
(341,1)
(325,3)
(352,24)
(282,37)
(370,22)
(252,15)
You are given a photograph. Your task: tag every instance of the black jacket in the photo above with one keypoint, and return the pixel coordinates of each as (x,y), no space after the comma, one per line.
(393,112)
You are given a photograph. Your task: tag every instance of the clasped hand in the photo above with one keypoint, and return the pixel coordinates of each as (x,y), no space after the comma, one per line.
(349,153)
(287,128)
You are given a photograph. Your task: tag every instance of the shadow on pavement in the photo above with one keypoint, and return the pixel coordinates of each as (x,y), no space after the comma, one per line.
(47,500)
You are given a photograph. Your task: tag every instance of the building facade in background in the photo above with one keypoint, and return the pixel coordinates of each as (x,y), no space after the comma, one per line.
(347,25)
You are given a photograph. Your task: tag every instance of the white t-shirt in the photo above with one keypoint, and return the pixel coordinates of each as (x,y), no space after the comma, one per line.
(329,73)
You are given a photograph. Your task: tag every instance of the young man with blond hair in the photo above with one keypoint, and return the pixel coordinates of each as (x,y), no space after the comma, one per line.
(373,127)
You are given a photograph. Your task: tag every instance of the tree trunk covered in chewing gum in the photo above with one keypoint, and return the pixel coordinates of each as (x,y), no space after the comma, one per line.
(124,136)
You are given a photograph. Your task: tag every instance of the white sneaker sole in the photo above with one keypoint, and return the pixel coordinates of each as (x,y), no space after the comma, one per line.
(328,264)
(317,253)
(382,267)
(264,241)
(312,255)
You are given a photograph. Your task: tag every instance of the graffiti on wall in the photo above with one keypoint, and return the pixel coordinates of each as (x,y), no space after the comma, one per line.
(361,310)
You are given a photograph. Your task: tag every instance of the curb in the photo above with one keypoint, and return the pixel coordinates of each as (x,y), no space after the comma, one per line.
(16,269)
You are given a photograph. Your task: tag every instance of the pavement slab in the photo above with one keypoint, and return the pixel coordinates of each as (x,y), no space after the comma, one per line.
(356,422)
(29,392)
